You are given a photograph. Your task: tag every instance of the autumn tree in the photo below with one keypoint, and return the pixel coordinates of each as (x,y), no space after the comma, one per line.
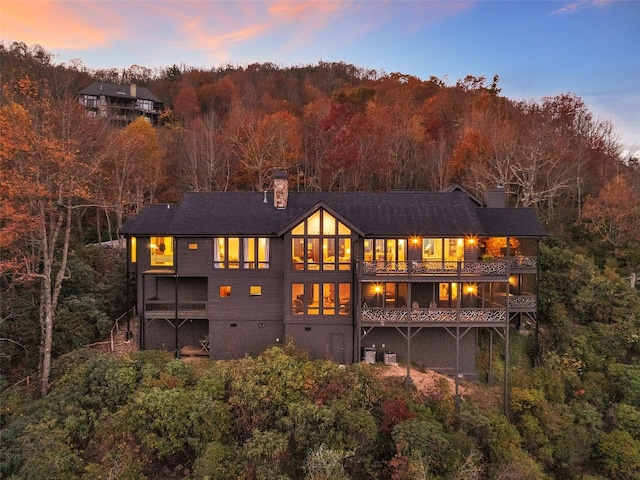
(132,169)
(262,144)
(315,142)
(614,214)
(44,175)
(205,165)
(185,104)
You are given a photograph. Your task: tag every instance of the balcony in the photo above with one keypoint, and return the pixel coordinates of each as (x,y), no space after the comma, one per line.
(497,269)
(523,264)
(446,271)
(371,316)
(523,303)
(167,309)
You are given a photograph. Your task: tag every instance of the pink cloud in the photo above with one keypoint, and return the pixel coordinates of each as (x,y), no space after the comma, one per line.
(55,25)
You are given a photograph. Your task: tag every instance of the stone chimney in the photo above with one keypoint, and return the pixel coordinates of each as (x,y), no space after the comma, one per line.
(495,197)
(133,90)
(280,189)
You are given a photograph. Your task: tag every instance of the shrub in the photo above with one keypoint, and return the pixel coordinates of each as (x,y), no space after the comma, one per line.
(177,421)
(324,463)
(219,462)
(425,446)
(47,453)
(626,383)
(619,455)
(266,452)
(628,418)
(115,465)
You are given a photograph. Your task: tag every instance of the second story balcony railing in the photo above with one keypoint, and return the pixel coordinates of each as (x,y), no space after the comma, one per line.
(373,316)
(494,268)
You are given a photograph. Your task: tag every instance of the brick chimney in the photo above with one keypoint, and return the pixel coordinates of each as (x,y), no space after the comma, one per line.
(280,189)
(496,197)
(133,90)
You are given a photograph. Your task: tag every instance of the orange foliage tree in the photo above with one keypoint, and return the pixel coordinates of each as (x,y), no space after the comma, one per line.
(614,214)
(45,172)
(132,170)
(261,144)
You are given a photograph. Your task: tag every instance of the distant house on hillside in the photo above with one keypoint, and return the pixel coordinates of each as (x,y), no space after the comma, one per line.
(121,104)
(385,276)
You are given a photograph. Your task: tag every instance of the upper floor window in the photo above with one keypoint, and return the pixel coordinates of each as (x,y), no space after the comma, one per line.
(501,246)
(89,101)
(144,104)
(450,249)
(255,252)
(161,249)
(233,252)
(321,242)
(385,249)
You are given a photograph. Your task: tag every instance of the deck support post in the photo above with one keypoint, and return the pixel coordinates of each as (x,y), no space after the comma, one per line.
(408,381)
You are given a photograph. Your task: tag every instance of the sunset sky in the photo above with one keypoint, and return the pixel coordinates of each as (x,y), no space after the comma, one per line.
(538,48)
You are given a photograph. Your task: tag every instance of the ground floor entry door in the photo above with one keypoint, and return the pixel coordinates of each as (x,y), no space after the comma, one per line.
(337,348)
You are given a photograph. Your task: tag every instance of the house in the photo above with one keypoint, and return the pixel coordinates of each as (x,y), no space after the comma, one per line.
(121,104)
(347,276)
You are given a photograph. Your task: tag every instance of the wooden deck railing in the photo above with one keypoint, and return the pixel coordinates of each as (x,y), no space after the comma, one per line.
(167,309)
(382,316)
(499,267)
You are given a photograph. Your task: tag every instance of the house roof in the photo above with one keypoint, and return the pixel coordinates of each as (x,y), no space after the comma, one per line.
(375,214)
(121,91)
(503,222)
(152,220)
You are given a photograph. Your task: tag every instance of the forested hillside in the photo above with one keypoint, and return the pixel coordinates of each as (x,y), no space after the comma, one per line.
(69,180)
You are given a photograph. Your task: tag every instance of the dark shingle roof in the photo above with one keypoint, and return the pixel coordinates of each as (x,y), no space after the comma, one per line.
(503,222)
(152,220)
(122,91)
(373,214)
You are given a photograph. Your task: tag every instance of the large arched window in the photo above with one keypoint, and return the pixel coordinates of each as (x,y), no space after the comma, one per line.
(321,242)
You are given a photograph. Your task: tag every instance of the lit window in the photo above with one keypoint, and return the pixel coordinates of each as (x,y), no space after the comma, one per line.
(225,291)
(320,298)
(255,290)
(133,249)
(454,249)
(448,292)
(234,252)
(344,295)
(228,254)
(385,250)
(297,296)
(328,298)
(431,249)
(255,252)
(161,249)
(321,242)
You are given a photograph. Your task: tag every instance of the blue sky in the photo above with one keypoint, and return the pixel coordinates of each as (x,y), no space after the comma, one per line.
(538,48)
